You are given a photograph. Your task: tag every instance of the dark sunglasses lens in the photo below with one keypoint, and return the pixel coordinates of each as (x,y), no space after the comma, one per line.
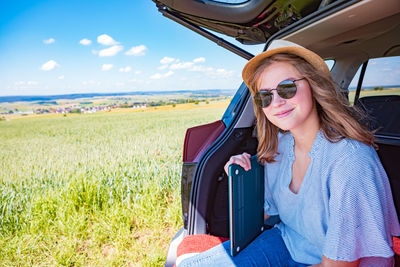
(287,89)
(262,99)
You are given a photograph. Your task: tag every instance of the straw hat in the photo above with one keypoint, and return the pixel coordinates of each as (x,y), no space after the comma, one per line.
(286,47)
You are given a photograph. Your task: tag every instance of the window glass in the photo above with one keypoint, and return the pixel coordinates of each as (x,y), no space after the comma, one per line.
(382,77)
(330,63)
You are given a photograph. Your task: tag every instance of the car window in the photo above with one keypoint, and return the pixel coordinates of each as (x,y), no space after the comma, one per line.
(382,77)
(330,63)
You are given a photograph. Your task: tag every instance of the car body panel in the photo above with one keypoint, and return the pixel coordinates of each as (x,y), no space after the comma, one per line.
(250,22)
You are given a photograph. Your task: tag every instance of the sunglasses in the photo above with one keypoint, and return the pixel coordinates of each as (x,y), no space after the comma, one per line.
(285,89)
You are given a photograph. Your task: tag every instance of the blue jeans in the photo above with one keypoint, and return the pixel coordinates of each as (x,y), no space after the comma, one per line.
(268,249)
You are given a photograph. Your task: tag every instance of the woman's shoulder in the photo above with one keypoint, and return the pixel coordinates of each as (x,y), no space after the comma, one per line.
(349,148)
(348,159)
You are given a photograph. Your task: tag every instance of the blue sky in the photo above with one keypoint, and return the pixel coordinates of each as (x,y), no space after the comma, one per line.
(125,44)
(59,47)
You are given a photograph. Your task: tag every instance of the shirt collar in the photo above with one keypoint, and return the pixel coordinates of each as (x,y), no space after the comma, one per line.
(314,149)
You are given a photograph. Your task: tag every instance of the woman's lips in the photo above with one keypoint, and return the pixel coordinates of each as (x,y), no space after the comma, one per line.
(283,114)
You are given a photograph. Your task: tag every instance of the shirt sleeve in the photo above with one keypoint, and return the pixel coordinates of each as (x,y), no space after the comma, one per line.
(362,217)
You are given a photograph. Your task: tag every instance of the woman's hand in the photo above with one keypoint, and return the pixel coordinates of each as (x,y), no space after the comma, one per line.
(242,160)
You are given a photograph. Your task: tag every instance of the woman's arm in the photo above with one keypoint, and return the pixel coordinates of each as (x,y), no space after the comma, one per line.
(331,263)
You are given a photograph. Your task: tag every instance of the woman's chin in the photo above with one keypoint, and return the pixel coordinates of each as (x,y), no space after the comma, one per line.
(284,126)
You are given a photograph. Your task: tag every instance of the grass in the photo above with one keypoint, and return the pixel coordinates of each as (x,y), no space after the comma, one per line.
(93,190)
(363,93)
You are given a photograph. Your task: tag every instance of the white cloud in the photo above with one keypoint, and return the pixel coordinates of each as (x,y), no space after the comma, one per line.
(199,60)
(119,84)
(160,76)
(169,73)
(156,76)
(126,69)
(106,67)
(23,84)
(201,69)
(61,77)
(210,71)
(163,67)
(135,80)
(49,65)
(49,41)
(137,51)
(181,65)
(112,51)
(138,72)
(95,52)
(105,39)
(224,73)
(85,41)
(167,60)
(91,82)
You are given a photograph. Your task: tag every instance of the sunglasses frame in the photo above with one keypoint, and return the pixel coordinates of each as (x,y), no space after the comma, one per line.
(258,97)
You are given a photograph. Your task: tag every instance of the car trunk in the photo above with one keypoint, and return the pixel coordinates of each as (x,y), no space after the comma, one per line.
(208,147)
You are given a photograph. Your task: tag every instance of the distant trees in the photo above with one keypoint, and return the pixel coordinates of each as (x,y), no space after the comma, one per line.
(378,88)
(126,105)
(173,102)
(158,103)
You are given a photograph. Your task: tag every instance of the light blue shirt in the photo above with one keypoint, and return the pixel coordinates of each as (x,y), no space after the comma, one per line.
(344,209)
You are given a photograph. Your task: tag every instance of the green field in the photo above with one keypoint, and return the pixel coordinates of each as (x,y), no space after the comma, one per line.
(363,93)
(93,190)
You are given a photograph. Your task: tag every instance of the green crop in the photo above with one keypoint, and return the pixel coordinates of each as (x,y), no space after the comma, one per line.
(97,189)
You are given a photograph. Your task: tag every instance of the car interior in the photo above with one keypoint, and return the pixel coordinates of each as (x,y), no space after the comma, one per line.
(351,33)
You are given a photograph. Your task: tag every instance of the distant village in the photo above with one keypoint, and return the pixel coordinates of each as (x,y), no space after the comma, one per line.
(51,106)
(73,109)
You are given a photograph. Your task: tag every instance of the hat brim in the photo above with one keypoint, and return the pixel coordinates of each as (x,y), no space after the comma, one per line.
(315,60)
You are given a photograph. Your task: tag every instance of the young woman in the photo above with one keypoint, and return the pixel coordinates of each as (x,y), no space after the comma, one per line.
(322,174)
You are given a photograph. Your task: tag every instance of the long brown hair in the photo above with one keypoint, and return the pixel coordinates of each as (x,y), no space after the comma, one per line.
(338,119)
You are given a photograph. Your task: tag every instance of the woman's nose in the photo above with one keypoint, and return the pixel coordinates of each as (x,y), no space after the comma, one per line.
(277,100)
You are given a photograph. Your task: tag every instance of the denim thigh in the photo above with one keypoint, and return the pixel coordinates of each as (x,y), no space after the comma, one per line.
(268,249)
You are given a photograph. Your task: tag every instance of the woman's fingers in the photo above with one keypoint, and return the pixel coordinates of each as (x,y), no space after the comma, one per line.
(242,160)
(247,158)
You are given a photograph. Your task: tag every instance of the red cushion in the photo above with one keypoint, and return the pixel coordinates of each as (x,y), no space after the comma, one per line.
(195,244)
(198,243)
(396,245)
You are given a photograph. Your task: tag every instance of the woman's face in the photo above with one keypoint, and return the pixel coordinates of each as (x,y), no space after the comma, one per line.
(296,113)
